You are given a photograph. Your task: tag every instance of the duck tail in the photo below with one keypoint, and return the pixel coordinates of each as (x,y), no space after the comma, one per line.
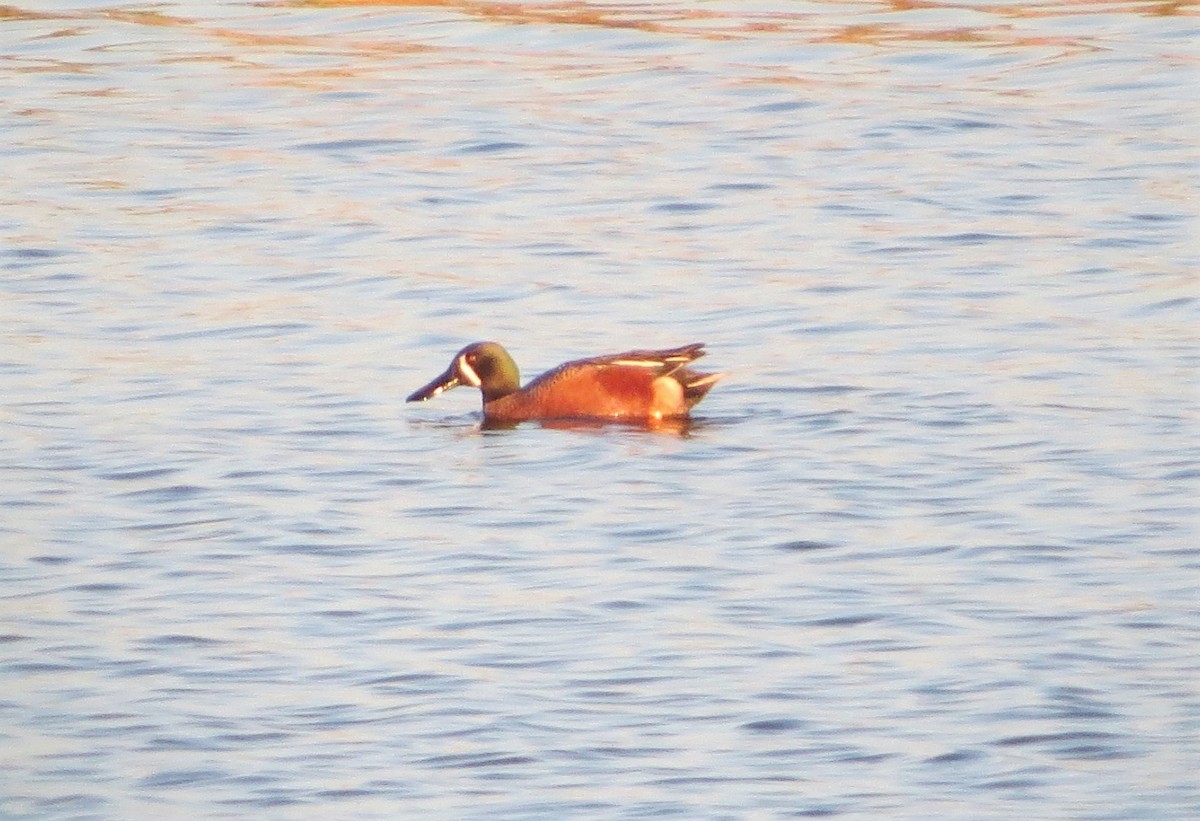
(696,385)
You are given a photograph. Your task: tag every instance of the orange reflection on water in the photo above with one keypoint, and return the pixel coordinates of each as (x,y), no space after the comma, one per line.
(742,22)
(674,426)
(867,23)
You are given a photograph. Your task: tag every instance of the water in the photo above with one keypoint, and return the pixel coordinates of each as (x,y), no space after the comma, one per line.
(930,551)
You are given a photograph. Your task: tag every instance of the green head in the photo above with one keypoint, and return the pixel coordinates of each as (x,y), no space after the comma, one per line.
(483,365)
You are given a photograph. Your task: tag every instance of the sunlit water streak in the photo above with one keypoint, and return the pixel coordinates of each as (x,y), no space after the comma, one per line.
(930,551)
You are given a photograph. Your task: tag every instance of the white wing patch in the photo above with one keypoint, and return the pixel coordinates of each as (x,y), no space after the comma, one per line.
(639,363)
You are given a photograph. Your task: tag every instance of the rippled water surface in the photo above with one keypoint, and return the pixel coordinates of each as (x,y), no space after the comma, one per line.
(929,551)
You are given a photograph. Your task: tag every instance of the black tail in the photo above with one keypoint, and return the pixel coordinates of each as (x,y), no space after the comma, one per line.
(696,385)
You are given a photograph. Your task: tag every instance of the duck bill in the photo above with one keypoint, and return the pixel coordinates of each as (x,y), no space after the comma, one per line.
(439,385)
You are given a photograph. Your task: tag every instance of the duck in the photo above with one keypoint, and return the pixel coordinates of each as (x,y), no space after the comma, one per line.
(635,386)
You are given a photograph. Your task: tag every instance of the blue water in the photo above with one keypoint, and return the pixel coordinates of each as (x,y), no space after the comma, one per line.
(929,551)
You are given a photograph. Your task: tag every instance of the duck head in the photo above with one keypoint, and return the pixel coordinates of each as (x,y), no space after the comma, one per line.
(483,365)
